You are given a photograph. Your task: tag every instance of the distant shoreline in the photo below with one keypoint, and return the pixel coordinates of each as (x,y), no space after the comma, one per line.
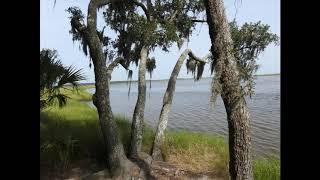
(268,74)
(113,82)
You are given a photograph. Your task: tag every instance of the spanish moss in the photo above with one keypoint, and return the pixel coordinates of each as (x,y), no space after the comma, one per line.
(213,63)
(196,68)
(129,81)
(216,87)
(151,65)
(191,65)
(249,41)
(200,68)
(84,47)
(180,42)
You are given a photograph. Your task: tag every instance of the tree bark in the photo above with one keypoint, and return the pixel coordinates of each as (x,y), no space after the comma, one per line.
(156,151)
(138,115)
(240,165)
(115,154)
(137,125)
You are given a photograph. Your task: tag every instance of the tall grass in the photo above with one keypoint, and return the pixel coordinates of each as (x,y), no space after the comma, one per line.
(76,125)
(80,94)
(266,168)
(199,152)
(72,132)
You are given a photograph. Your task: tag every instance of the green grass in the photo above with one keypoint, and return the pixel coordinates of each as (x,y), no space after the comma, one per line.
(77,121)
(72,132)
(80,95)
(196,151)
(264,169)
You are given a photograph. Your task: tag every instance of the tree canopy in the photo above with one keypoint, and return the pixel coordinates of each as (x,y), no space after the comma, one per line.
(249,41)
(159,24)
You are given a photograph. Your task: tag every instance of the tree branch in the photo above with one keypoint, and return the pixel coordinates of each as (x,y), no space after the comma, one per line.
(198,20)
(123,64)
(118,60)
(149,4)
(191,54)
(92,12)
(103,2)
(143,8)
(173,15)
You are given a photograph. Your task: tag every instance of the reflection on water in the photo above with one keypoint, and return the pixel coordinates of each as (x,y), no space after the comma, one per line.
(191,109)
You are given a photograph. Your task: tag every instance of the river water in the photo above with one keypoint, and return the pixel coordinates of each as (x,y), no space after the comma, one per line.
(191,109)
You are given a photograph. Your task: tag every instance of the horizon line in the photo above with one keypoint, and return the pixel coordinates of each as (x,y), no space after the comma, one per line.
(177,79)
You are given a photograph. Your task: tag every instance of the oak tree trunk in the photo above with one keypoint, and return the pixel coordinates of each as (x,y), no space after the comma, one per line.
(240,165)
(166,107)
(138,115)
(115,154)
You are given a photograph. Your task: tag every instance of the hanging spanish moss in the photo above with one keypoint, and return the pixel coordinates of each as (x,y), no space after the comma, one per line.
(84,47)
(180,42)
(216,87)
(129,81)
(191,66)
(200,68)
(151,65)
(100,34)
(196,68)
(150,84)
(213,62)
(76,17)
(215,90)
(188,40)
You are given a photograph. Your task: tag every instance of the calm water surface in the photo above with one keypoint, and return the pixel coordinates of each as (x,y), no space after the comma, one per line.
(191,109)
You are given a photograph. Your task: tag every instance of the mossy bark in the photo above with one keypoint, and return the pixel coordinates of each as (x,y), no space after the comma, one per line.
(116,158)
(167,102)
(166,107)
(240,165)
(138,115)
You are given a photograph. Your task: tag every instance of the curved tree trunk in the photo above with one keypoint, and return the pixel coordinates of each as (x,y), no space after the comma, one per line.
(115,154)
(167,102)
(166,107)
(101,99)
(240,166)
(138,115)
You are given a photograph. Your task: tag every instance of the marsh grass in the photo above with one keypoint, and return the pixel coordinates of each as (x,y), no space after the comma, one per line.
(266,168)
(72,133)
(199,152)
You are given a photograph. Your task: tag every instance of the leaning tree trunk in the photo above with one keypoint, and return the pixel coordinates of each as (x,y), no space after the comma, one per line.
(240,165)
(116,158)
(166,106)
(101,99)
(138,115)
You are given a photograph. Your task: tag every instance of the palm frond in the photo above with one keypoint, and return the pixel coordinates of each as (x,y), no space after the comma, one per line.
(53,76)
(61,98)
(72,76)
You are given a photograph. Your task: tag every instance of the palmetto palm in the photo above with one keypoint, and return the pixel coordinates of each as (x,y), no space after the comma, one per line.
(53,76)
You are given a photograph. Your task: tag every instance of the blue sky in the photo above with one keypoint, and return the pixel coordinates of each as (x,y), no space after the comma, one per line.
(55,26)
